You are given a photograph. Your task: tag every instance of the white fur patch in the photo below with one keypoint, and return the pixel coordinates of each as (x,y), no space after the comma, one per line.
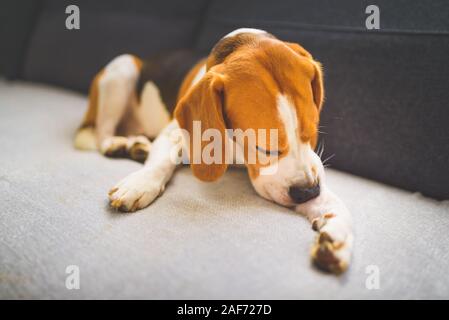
(299,151)
(200,74)
(287,113)
(152,111)
(123,65)
(85,139)
(244,30)
(115,90)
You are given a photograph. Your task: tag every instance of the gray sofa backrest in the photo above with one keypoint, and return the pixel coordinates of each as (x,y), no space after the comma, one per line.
(70,58)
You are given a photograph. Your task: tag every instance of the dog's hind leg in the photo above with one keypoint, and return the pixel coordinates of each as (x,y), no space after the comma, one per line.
(111,96)
(116,87)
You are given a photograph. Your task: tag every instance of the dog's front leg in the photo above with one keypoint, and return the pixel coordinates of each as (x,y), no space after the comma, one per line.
(142,187)
(332,220)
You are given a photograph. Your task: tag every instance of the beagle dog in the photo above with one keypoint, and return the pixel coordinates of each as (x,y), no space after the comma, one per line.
(250,80)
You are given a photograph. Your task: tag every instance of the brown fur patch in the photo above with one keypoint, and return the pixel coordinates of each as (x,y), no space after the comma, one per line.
(324,255)
(329,215)
(167,71)
(204,103)
(90,116)
(228,45)
(186,84)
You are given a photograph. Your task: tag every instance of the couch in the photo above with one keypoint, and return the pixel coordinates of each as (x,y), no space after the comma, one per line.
(385,119)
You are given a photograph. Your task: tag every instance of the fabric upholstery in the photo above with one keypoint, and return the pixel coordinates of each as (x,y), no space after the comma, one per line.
(198,240)
(17,20)
(70,58)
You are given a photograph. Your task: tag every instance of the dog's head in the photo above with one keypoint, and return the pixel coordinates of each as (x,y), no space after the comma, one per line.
(255,81)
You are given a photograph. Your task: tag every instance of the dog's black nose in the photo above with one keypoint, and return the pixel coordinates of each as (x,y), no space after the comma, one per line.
(300,194)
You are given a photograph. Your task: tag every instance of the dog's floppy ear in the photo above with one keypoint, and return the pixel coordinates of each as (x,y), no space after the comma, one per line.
(298,49)
(317,85)
(204,102)
(317,80)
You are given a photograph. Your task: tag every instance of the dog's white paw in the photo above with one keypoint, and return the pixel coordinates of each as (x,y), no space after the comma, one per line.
(332,249)
(136,191)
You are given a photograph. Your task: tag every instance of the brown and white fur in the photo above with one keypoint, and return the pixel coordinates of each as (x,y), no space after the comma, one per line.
(249,80)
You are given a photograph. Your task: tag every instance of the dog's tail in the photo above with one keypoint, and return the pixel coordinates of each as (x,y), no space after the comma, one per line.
(85,138)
